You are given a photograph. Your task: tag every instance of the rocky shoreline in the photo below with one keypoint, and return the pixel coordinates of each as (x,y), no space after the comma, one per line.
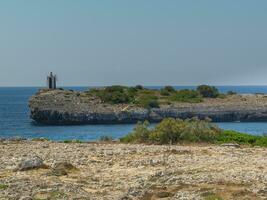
(72,107)
(32,170)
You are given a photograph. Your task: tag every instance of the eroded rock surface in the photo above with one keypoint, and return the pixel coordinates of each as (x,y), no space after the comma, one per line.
(34,162)
(143,172)
(71,107)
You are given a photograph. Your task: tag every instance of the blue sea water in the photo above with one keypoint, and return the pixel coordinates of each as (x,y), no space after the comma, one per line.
(15,120)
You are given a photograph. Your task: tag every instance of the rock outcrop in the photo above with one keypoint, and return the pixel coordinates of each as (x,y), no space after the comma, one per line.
(63,107)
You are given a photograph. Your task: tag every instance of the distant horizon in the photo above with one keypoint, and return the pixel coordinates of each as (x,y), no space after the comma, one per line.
(67,86)
(150,42)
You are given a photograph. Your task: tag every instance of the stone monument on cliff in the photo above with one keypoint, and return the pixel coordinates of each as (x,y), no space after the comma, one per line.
(52,81)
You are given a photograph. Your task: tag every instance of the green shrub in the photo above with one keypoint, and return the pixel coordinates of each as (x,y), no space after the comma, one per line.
(190,96)
(208,91)
(138,95)
(173,131)
(241,138)
(116,94)
(167,90)
(140,133)
(139,87)
(148,101)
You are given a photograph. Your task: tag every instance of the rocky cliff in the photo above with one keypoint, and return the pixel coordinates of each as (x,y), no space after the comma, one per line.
(71,107)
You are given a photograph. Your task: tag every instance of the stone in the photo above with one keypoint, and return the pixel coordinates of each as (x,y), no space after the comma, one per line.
(62,168)
(30,163)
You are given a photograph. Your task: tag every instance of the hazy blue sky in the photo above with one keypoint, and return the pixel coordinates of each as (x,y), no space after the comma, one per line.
(150,42)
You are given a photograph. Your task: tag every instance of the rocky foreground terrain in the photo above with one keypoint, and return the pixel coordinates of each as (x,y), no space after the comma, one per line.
(72,107)
(49,170)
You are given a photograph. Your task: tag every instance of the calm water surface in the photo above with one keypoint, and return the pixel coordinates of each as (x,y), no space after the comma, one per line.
(15,121)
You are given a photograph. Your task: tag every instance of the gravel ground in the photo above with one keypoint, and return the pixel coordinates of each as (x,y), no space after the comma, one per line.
(120,171)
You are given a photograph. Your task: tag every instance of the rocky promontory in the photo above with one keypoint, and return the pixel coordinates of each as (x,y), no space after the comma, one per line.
(74,107)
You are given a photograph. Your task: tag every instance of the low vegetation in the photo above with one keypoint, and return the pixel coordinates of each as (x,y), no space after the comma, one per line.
(241,138)
(149,98)
(173,131)
(190,96)
(208,91)
(3,186)
(72,141)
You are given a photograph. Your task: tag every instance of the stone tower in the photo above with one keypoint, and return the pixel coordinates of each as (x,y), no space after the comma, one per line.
(52,81)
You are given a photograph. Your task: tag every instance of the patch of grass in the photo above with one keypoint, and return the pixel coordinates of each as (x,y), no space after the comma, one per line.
(3,186)
(72,141)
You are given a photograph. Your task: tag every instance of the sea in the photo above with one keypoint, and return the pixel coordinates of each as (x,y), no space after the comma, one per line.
(15,117)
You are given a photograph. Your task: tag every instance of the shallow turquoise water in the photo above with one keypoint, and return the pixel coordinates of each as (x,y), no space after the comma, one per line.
(15,121)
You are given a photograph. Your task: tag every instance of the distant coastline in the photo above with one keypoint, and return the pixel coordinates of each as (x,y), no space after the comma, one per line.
(64,107)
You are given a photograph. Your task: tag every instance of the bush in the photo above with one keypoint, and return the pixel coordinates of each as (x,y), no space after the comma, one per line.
(208,91)
(140,133)
(139,87)
(148,101)
(167,90)
(174,131)
(190,96)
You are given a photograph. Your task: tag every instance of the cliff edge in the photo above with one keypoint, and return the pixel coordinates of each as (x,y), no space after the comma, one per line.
(63,107)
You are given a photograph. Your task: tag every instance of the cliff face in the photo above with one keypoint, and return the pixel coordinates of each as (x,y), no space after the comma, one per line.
(70,107)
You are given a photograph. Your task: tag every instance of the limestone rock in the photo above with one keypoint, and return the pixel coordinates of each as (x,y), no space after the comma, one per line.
(62,168)
(30,163)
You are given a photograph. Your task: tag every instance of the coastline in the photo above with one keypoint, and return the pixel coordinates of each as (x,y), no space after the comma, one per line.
(133,171)
(59,107)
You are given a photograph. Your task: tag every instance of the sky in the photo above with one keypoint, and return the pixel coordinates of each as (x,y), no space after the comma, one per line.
(130,42)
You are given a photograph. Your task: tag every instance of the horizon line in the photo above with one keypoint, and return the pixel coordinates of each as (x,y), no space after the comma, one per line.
(195,85)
